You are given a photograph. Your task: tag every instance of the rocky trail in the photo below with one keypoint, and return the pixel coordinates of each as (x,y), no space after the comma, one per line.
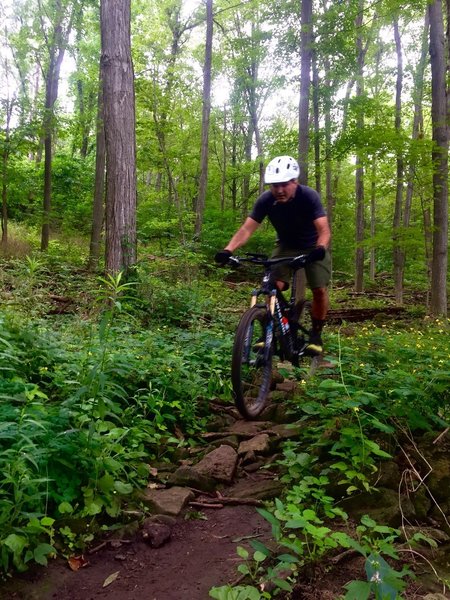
(197,512)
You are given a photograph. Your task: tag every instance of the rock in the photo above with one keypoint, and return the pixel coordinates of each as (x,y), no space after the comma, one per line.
(438,481)
(421,502)
(220,464)
(170,501)
(289,430)
(250,428)
(127,531)
(275,411)
(259,490)
(230,440)
(382,505)
(187,476)
(164,519)
(258,445)
(287,387)
(387,476)
(155,534)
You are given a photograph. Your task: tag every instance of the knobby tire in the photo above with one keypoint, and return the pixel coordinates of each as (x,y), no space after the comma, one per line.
(251,366)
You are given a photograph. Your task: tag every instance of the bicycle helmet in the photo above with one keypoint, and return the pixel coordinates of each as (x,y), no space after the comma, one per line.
(281,169)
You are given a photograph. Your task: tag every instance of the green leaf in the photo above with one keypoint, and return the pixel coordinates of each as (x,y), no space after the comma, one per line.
(259,557)
(282,584)
(257,545)
(65,508)
(357,590)
(41,552)
(287,558)
(106,483)
(123,488)
(15,542)
(243,569)
(242,552)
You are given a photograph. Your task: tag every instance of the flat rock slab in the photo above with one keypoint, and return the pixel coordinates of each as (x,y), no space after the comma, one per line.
(220,464)
(188,476)
(170,501)
(260,444)
(265,489)
(250,428)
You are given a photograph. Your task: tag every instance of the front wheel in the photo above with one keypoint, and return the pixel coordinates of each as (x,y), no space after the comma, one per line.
(251,367)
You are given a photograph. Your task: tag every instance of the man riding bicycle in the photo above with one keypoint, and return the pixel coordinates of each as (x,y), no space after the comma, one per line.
(301,224)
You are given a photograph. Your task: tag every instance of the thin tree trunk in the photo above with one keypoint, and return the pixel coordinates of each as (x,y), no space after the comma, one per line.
(439,61)
(205,121)
(316,113)
(398,211)
(56,48)
(98,210)
(359,173)
(305,83)
(417,129)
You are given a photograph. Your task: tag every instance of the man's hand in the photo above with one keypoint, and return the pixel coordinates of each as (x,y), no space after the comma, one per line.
(223,256)
(316,254)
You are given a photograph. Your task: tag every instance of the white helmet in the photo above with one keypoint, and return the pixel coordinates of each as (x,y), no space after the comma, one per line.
(281,169)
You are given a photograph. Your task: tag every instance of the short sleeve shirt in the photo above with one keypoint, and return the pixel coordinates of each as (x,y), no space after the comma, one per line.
(293,220)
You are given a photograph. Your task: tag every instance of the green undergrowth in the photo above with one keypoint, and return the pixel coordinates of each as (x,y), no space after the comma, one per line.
(103,377)
(91,400)
(385,380)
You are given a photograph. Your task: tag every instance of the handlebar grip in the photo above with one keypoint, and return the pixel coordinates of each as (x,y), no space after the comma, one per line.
(316,254)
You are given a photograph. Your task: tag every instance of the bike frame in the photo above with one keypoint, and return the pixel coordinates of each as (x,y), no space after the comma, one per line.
(277,305)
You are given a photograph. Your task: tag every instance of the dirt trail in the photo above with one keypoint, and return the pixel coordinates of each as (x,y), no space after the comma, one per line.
(200,554)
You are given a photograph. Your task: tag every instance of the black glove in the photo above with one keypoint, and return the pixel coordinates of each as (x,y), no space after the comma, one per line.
(223,256)
(316,254)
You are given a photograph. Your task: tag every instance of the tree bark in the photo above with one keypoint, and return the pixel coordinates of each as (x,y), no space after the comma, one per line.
(305,83)
(56,47)
(359,173)
(119,120)
(206,111)
(398,210)
(438,305)
(98,209)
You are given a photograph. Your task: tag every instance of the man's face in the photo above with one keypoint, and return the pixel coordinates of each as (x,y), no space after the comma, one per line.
(283,192)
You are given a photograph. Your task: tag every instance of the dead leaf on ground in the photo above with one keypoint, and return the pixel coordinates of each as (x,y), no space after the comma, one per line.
(77,562)
(111,578)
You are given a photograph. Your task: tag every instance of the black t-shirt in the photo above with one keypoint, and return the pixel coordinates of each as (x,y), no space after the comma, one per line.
(292,220)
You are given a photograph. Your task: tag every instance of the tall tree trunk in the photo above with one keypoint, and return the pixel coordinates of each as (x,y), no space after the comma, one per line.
(56,47)
(305,83)
(205,120)
(98,209)
(439,117)
(224,161)
(119,120)
(398,210)
(329,196)
(6,150)
(359,173)
(417,130)
(316,113)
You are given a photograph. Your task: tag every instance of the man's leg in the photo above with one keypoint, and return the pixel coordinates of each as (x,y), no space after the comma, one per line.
(319,311)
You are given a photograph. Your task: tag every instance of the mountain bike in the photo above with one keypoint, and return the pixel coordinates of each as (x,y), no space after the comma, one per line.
(272,326)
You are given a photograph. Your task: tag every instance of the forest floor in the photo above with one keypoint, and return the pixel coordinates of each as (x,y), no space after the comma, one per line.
(200,554)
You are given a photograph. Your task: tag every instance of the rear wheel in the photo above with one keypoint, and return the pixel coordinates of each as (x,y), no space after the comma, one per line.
(251,367)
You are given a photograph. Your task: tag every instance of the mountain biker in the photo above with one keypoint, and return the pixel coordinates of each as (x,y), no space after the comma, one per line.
(301,224)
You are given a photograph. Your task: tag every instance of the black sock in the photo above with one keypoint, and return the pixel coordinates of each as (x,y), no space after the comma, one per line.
(317,326)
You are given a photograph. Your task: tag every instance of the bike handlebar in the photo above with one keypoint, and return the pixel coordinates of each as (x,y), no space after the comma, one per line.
(295,262)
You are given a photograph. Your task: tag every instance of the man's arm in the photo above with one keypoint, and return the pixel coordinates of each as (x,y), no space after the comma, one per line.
(243,234)
(323,232)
